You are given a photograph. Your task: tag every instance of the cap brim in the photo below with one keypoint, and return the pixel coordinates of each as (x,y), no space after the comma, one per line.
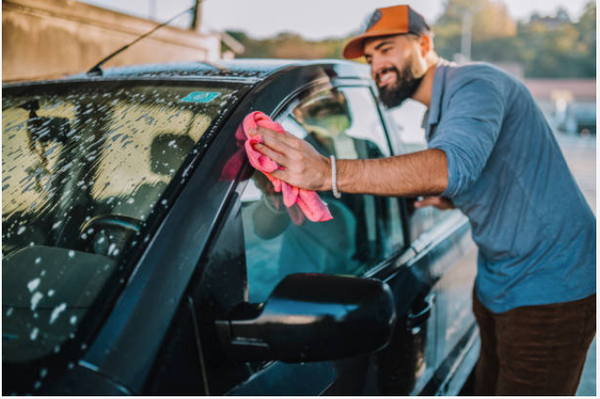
(355,47)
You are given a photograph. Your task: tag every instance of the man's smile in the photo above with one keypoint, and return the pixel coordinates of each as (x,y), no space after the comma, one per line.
(386,76)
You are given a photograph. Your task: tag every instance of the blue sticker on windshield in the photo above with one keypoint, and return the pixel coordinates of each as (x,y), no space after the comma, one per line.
(200,97)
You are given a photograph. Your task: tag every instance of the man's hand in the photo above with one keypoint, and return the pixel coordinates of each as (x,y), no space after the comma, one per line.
(303,166)
(438,202)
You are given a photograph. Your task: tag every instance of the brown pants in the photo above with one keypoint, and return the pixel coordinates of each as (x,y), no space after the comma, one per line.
(534,350)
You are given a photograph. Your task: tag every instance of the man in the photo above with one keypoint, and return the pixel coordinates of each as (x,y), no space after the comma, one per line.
(491,154)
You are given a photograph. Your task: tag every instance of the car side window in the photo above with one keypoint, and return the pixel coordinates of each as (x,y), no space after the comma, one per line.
(408,136)
(364,230)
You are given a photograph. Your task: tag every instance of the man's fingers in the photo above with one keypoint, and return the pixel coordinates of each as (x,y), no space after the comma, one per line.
(274,155)
(438,202)
(279,174)
(302,165)
(276,146)
(276,138)
(427,201)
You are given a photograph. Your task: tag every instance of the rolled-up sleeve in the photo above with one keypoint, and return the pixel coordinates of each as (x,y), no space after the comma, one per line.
(468,131)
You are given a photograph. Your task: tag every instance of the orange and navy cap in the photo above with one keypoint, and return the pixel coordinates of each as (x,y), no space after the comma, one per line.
(387,21)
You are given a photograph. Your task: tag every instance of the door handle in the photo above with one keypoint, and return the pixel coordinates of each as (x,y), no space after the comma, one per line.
(416,319)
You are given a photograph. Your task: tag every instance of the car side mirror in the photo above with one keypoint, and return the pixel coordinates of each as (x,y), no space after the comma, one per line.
(312,317)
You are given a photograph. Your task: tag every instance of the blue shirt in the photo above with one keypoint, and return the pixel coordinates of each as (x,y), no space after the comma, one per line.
(535,231)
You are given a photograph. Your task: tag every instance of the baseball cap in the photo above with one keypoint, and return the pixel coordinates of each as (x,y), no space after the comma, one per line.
(387,21)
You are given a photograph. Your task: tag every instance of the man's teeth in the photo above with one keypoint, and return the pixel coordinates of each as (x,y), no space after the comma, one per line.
(386,77)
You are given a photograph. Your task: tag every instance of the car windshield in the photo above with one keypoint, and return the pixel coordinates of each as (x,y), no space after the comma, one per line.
(85,168)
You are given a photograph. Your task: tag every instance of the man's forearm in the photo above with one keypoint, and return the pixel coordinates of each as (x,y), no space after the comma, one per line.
(419,173)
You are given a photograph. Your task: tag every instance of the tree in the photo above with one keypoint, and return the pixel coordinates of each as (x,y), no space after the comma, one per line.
(491,20)
(562,14)
(545,46)
(587,26)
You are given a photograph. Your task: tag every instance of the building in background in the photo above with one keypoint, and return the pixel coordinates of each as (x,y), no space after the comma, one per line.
(46,39)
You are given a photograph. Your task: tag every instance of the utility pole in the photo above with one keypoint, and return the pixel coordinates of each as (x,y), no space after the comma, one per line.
(465,42)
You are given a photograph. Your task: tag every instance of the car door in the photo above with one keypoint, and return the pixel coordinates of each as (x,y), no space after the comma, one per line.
(443,239)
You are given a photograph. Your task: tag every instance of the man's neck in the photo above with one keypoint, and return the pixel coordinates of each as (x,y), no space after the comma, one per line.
(423,93)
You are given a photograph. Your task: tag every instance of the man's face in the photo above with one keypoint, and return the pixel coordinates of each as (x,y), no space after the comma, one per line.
(396,66)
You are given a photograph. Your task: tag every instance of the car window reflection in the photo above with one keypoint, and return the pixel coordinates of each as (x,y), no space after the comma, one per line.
(279,240)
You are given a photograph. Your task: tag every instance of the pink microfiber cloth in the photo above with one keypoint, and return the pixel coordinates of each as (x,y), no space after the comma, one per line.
(309,202)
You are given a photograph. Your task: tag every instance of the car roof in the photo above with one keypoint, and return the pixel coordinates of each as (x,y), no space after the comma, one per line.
(244,70)
(241,70)
(252,69)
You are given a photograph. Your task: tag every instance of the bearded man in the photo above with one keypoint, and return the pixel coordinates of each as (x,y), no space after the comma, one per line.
(492,154)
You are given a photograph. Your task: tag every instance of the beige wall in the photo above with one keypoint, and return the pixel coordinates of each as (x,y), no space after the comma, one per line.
(43,39)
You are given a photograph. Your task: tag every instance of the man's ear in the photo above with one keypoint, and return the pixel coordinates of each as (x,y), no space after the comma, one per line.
(426,43)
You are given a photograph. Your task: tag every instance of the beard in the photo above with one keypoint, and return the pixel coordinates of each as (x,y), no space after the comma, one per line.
(404,87)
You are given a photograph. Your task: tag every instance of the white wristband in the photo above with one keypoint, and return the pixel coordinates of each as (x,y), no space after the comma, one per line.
(334,188)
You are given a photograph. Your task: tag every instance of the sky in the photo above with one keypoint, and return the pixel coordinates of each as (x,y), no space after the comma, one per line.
(313,19)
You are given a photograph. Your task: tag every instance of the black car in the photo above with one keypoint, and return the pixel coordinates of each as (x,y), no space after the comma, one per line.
(143,255)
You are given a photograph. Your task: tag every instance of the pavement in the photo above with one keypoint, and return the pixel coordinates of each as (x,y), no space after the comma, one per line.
(580,153)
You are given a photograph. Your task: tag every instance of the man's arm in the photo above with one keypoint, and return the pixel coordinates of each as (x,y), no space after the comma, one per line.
(420,173)
(411,175)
